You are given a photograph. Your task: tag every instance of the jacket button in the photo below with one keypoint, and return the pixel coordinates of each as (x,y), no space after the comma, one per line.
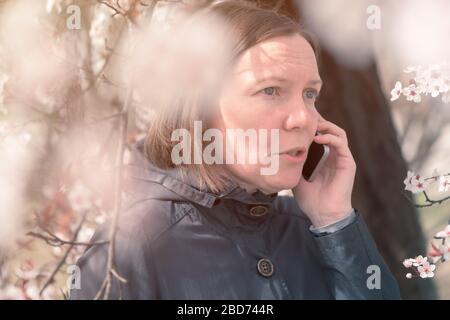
(265,267)
(258,211)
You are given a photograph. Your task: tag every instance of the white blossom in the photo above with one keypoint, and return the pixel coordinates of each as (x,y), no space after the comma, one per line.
(412,93)
(408,262)
(433,80)
(415,183)
(426,270)
(397,91)
(419,260)
(444,233)
(444,249)
(444,184)
(85,234)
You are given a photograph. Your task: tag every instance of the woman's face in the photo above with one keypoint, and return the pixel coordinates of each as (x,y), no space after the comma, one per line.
(273,85)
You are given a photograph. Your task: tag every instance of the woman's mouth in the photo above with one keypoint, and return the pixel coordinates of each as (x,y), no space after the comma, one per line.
(296,155)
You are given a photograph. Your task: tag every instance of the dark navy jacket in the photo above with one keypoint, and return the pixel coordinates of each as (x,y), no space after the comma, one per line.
(177,242)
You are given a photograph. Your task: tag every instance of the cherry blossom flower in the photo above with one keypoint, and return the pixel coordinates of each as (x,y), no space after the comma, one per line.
(444,233)
(433,179)
(408,262)
(419,260)
(415,183)
(444,249)
(433,80)
(438,86)
(426,270)
(397,91)
(421,266)
(412,93)
(444,184)
(85,234)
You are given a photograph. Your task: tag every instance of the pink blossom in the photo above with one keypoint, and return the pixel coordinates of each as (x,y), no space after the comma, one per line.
(426,270)
(419,260)
(412,93)
(444,249)
(433,80)
(415,183)
(408,262)
(397,91)
(444,184)
(444,233)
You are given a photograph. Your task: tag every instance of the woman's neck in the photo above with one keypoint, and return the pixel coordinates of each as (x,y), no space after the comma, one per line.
(248,187)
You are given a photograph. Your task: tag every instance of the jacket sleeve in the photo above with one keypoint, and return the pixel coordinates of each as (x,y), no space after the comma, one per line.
(336,226)
(354,267)
(133,262)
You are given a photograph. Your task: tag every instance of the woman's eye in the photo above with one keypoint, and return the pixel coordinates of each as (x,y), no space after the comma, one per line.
(270,91)
(310,94)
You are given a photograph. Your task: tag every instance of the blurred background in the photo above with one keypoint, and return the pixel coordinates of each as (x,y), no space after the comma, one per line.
(80,80)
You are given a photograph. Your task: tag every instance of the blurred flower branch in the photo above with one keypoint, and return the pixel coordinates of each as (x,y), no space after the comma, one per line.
(424,84)
(72,101)
(434,81)
(421,267)
(75,201)
(64,257)
(122,133)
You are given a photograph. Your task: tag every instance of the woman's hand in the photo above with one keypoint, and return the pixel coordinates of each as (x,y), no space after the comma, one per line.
(327,198)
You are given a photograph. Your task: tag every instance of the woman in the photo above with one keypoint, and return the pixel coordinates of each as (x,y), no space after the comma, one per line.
(210,231)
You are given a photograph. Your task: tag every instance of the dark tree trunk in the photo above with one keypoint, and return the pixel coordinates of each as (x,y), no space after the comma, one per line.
(354,100)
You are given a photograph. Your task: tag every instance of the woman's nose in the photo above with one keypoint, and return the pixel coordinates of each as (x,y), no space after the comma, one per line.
(298,116)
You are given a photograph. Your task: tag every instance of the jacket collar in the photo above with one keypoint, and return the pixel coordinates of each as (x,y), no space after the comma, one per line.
(146,179)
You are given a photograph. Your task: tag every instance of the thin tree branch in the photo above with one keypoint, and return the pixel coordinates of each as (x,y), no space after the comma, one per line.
(110,267)
(116,11)
(55,241)
(429,202)
(63,259)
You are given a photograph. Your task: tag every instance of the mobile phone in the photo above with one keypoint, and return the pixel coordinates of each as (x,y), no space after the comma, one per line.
(317,155)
